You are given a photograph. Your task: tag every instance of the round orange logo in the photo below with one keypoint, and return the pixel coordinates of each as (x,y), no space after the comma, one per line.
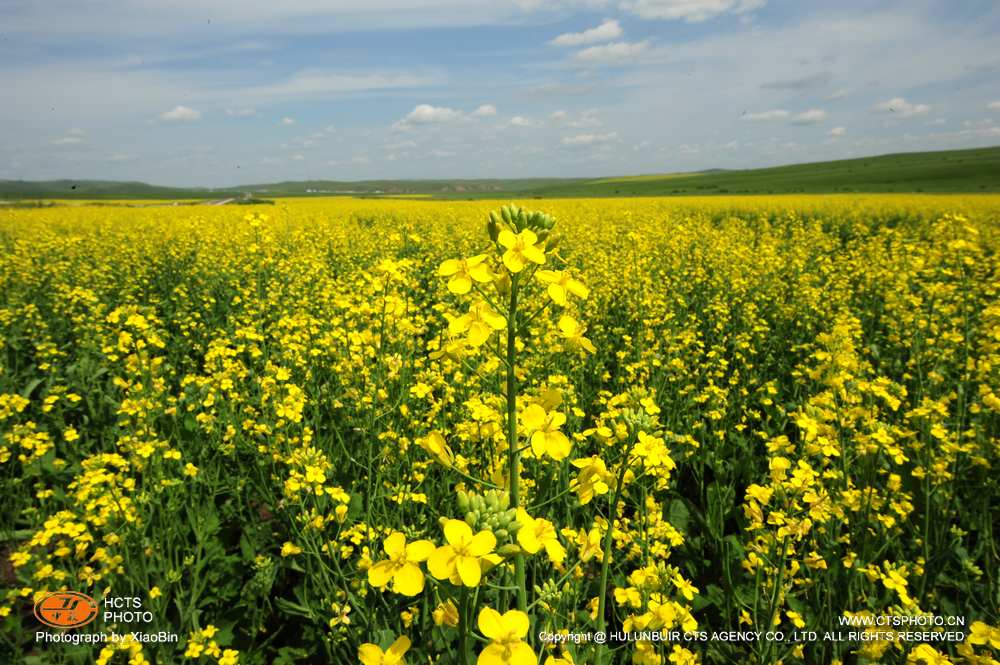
(66,609)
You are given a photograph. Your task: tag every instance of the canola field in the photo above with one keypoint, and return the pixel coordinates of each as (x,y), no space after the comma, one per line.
(757,430)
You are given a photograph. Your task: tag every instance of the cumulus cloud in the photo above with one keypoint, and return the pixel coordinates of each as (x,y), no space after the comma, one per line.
(994,106)
(287,121)
(692,11)
(605,32)
(67,140)
(520,121)
(180,114)
(426,114)
(484,111)
(611,53)
(810,117)
(901,108)
(241,112)
(558,116)
(837,132)
(588,139)
(774,114)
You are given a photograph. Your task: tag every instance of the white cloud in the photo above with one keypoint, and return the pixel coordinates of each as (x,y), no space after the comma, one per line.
(75,131)
(589,139)
(901,108)
(605,32)
(558,115)
(67,140)
(297,157)
(180,114)
(425,114)
(691,11)
(315,82)
(521,121)
(610,53)
(241,112)
(837,132)
(810,117)
(485,110)
(120,157)
(588,118)
(994,106)
(287,121)
(839,94)
(775,114)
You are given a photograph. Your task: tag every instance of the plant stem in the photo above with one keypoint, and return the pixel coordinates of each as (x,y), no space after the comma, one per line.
(514,455)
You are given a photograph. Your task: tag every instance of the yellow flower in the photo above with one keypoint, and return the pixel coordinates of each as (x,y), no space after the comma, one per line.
(507,633)
(686,589)
(372,654)
(190,470)
(592,479)
(925,654)
(290,549)
(982,634)
(401,568)
(560,284)
(544,430)
(535,534)
(435,444)
(461,561)
(521,249)
(479,324)
(445,614)
(70,434)
(230,657)
(572,332)
(155,592)
(464,271)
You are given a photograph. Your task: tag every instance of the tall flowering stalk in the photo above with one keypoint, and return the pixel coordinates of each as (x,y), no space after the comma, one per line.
(522,243)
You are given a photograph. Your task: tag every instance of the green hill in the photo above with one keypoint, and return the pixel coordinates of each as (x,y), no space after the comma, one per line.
(976,170)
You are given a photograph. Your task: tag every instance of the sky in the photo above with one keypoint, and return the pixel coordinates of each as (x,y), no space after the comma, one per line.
(227,92)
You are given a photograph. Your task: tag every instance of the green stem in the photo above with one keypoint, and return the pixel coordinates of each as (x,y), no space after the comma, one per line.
(608,538)
(514,454)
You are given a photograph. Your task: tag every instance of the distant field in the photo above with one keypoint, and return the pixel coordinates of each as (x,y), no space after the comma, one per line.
(951,171)
(964,171)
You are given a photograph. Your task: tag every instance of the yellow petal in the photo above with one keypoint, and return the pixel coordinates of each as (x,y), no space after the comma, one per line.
(533,417)
(380,574)
(457,532)
(394,544)
(408,580)
(481,273)
(441,562)
(469,570)
(527,540)
(460,284)
(449,267)
(491,623)
(398,648)
(534,254)
(370,654)
(482,543)
(516,622)
(493,654)
(507,239)
(513,261)
(522,654)
(558,294)
(419,550)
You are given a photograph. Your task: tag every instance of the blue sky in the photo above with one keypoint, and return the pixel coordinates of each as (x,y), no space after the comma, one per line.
(188,92)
